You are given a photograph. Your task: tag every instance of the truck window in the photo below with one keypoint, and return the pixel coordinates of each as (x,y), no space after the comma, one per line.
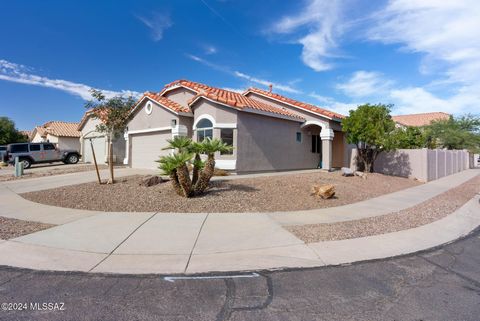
(48,147)
(35,147)
(22,148)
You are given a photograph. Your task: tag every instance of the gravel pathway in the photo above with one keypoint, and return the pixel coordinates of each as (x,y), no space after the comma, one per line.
(261,194)
(421,214)
(52,171)
(11,228)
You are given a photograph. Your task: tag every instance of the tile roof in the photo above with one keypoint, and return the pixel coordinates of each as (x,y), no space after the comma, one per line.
(195,86)
(296,103)
(167,103)
(229,98)
(58,128)
(417,120)
(164,101)
(27,133)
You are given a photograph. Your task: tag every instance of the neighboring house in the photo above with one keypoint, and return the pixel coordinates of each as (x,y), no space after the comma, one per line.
(269,132)
(63,134)
(419,120)
(90,136)
(27,133)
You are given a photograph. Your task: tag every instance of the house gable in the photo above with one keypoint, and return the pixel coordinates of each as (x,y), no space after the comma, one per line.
(158,117)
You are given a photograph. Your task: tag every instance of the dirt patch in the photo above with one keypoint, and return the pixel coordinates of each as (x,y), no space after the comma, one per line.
(11,228)
(262,194)
(50,172)
(421,214)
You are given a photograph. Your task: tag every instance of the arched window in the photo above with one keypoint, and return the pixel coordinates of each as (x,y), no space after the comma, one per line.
(204,129)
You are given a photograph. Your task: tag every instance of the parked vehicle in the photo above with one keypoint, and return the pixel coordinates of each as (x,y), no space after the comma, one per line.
(3,152)
(34,153)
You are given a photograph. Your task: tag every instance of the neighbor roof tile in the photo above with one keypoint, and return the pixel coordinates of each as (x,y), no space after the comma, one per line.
(417,120)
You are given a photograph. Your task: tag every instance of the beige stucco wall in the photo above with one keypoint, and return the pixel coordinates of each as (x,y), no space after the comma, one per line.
(220,113)
(160,117)
(37,138)
(423,164)
(69,143)
(307,115)
(89,130)
(180,95)
(269,144)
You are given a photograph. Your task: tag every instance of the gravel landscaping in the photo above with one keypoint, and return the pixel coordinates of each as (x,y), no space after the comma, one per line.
(287,192)
(11,228)
(57,170)
(421,214)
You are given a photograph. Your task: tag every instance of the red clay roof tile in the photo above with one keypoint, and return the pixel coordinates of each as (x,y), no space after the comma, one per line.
(296,103)
(417,120)
(229,98)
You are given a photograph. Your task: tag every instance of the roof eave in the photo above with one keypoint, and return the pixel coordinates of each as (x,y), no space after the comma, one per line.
(286,103)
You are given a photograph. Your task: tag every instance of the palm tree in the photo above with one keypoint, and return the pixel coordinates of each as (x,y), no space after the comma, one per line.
(209,147)
(196,148)
(175,166)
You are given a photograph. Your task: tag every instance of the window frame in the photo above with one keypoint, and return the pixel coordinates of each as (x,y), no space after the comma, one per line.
(298,137)
(204,130)
(233,134)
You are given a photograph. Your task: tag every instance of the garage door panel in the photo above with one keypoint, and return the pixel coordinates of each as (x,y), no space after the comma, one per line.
(98,146)
(147,148)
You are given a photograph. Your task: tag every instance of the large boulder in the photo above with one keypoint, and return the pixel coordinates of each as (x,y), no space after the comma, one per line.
(150,181)
(347,172)
(323,191)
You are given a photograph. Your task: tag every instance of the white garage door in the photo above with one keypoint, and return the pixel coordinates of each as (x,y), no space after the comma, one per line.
(98,146)
(147,148)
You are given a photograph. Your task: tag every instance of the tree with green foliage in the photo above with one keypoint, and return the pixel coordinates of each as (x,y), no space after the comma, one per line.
(410,137)
(113,115)
(8,133)
(186,152)
(370,128)
(455,133)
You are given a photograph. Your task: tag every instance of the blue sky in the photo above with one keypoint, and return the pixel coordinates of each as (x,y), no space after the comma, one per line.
(418,55)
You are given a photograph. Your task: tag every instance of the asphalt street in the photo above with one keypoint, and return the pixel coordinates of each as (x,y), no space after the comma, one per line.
(443,284)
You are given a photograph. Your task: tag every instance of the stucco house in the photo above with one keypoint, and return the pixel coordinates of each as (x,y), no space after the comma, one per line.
(419,120)
(89,135)
(269,132)
(63,134)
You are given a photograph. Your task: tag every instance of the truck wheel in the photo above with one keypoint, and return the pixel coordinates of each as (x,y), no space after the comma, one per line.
(72,159)
(26,162)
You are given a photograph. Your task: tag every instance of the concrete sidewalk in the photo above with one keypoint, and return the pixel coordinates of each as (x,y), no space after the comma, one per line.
(194,243)
(171,243)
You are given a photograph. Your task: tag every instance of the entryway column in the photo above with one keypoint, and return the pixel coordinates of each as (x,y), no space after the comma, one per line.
(327,148)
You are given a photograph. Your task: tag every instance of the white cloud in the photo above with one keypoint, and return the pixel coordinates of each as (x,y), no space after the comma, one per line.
(364,83)
(241,75)
(157,23)
(235,90)
(322,20)
(332,104)
(446,32)
(276,86)
(19,74)
(210,50)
